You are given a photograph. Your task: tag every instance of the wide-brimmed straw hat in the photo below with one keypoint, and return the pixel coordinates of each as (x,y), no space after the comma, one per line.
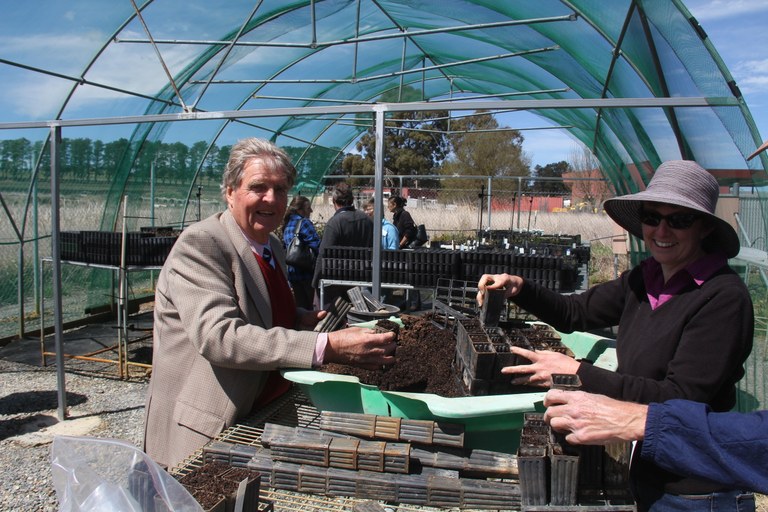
(681,183)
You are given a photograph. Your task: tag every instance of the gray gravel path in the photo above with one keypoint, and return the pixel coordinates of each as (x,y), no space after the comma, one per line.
(100,405)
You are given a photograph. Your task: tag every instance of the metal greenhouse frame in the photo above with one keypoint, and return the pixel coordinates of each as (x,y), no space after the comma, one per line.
(148,92)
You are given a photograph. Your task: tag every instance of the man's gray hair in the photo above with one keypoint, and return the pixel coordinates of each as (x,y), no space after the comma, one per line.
(271,156)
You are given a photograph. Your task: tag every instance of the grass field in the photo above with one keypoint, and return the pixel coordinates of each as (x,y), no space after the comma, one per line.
(84,212)
(461,222)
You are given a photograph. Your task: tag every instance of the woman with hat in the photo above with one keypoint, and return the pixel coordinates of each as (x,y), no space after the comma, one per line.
(684,317)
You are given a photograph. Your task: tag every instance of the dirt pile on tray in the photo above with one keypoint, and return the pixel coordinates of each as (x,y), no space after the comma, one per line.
(424,362)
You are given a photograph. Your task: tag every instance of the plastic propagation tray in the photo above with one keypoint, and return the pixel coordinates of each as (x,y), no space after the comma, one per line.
(491,422)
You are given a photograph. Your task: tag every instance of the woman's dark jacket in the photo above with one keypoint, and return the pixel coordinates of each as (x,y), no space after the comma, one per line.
(691,347)
(405,225)
(347,227)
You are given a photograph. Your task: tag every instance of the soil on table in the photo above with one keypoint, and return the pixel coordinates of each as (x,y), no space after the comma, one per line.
(426,355)
(213,482)
(424,362)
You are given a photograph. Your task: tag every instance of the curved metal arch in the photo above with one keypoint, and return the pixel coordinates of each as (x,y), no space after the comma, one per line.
(62,108)
(204,59)
(727,77)
(605,80)
(208,56)
(201,61)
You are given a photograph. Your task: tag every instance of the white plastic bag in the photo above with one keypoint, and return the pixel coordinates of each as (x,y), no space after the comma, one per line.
(94,474)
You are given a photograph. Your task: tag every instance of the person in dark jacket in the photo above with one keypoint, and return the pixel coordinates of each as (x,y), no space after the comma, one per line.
(681,436)
(301,279)
(685,318)
(402,220)
(348,227)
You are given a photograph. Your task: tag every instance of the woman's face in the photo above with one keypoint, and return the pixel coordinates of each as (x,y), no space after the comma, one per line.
(673,247)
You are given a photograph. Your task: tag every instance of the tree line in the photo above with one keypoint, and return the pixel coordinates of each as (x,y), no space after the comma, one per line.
(85,159)
(463,149)
(429,144)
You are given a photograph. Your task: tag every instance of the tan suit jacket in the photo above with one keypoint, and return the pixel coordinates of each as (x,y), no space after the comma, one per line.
(214,343)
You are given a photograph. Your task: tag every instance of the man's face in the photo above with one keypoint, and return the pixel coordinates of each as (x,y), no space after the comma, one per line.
(259,203)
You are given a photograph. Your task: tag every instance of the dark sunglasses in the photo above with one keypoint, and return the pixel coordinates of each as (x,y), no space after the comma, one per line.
(680,220)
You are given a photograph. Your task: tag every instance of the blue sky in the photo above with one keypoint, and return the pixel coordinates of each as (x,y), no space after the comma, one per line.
(738,29)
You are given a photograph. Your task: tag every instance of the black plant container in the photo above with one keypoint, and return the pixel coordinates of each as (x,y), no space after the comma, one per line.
(564,479)
(533,466)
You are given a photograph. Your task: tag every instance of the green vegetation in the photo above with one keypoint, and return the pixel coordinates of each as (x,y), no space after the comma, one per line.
(603,265)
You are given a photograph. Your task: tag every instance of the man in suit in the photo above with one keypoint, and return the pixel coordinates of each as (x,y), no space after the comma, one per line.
(348,227)
(225,319)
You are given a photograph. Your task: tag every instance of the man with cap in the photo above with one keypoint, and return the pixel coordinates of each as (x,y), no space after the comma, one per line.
(684,317)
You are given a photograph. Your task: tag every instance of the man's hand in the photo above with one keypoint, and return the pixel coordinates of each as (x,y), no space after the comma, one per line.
(307,320)
(358,346)
(587,418)
(543,364)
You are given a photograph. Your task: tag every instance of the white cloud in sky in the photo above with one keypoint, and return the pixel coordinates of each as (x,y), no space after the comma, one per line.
(709,10)
(753,76)
(37,95)
(41,47)
(136,67)
(133,67)
(738,30)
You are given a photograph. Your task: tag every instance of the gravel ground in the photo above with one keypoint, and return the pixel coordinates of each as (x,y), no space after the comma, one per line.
(100,405)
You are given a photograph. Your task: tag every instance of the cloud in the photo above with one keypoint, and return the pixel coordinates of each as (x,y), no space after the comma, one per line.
(132,67)
(38,97)
(36,48)
(712,10)
(752,76)
(548,146)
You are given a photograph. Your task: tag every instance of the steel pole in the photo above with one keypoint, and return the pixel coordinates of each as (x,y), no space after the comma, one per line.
(378,214)
(58,333)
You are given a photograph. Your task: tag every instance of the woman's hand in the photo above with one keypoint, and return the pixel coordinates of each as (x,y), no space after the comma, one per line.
(511,284)
(543,364)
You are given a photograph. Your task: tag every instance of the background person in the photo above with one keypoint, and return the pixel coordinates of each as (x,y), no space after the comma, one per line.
(348,227)
(402,220)
(406,228)
(225,318)
(390,239)
(301,279)
(687,438)
(685,319)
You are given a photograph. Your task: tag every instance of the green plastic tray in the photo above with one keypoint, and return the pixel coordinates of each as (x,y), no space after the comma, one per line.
(491,422)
